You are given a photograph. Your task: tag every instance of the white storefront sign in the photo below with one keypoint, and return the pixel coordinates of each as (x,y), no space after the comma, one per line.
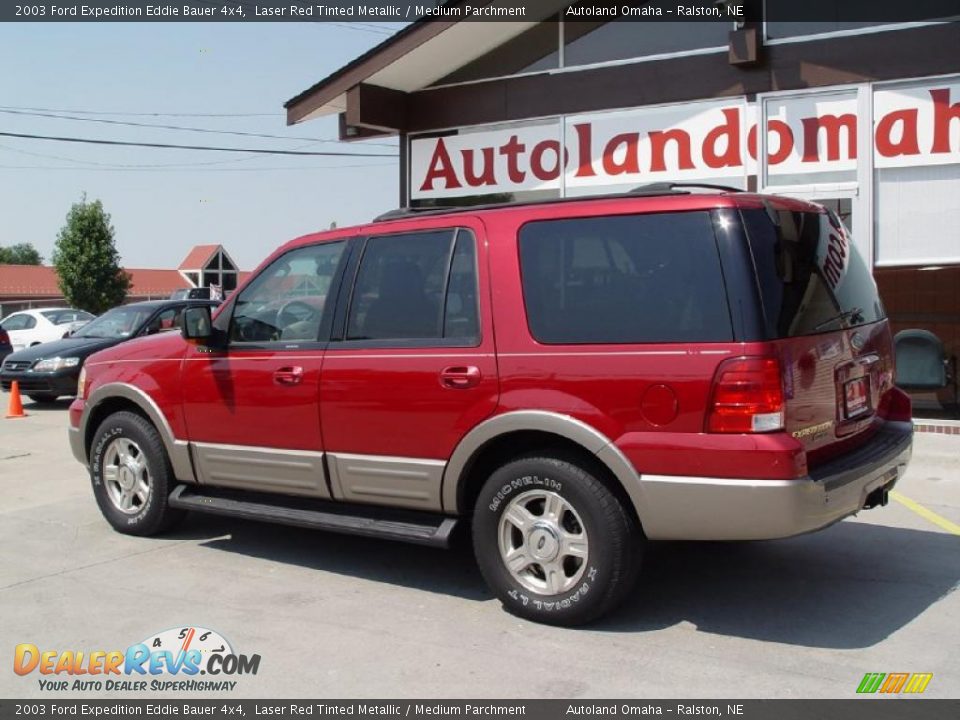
(914,125)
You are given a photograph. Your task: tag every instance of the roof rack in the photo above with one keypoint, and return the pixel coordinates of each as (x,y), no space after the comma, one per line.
(665,188)
(652,189)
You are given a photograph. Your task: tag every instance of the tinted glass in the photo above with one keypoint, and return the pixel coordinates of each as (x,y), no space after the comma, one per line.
(462,315)
(165,321)
(61,317)
(624,279)
(19,322)
(285,302)
(400,287)
(812,279)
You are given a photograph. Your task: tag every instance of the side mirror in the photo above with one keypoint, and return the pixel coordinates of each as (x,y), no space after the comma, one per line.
(196,325)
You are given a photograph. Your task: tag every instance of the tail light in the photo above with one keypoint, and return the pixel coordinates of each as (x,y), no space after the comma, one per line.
(747,396)
(4,338)
(896,405)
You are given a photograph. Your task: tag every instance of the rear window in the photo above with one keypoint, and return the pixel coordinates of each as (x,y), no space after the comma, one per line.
(624,279)
(812,279)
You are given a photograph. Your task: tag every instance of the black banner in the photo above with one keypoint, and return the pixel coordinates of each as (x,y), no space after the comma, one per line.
(388,11)
(892,708)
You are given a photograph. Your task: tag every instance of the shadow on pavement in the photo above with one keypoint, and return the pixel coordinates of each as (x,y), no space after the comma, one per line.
(849,586)
(60,405)
(450,572)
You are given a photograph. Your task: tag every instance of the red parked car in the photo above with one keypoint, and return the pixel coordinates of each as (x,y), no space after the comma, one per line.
(573,377)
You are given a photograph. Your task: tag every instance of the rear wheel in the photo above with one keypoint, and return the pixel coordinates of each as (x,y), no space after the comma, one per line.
(553,542)
(131,475)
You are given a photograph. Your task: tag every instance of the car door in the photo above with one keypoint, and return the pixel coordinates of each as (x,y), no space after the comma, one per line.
(19,327)
(410,367)
(251,407)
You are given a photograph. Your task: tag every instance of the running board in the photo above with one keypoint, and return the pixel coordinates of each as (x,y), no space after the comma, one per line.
(409,526)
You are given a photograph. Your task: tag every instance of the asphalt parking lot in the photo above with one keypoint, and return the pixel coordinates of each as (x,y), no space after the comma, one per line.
(334,616)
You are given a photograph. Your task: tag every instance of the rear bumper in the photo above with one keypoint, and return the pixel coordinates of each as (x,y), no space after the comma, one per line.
(690,508)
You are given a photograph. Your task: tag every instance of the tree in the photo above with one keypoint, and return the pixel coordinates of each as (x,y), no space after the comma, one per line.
(20,254)
(87,261)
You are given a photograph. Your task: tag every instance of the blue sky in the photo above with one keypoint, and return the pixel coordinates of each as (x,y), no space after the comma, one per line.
(248,203)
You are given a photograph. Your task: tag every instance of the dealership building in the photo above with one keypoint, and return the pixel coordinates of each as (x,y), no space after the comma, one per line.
(863,117)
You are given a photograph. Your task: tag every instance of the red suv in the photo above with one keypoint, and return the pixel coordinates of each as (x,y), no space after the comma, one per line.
(572,378)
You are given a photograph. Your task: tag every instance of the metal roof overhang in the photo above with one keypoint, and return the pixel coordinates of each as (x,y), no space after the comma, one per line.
(370,91)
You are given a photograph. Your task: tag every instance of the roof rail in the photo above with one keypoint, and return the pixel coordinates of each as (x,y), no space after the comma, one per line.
(658,188)
(665,188)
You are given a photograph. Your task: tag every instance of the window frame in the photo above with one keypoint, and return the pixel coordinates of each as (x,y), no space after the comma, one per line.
(831,34)
(338,339)
(326,318)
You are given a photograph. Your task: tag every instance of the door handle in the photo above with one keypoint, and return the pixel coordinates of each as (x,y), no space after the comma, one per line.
(290,375)
(460,377)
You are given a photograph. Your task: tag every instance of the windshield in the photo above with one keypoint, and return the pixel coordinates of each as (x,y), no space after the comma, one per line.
(120,322)
(62,317)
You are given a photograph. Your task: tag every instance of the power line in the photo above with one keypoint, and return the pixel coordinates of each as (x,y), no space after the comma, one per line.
(359,26)
(145,114)
(169,146)
(160,126)
(179,167)
(306,168)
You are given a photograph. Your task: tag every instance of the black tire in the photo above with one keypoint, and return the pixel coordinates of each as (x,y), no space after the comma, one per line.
(43,398)
(613,553)
(155,514)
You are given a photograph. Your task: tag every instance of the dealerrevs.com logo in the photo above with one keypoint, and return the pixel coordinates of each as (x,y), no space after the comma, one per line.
(167,661)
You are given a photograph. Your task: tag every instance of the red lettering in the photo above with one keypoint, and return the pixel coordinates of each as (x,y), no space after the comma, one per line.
(486,176)
(631,159)
(831,124)
(511,150)
(785,144)
(731,129)
(907,144)
(943,113)
(536,160)
(441,168)
(658,145)
(786,141)
(584,133)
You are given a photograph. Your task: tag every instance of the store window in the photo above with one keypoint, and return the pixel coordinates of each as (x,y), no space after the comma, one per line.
(586,43)
(785,22)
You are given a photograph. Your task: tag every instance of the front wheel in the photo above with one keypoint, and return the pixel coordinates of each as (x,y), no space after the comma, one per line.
(553,542)
(131,475)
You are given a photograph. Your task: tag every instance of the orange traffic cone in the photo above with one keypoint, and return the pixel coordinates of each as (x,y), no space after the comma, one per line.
(15,409)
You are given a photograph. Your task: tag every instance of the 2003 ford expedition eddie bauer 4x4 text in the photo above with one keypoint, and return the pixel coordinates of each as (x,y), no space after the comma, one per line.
(571,378)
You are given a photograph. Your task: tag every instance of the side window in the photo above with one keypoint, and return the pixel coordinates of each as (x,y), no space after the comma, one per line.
(17,322)
(169,319)
(624,279)
(462,314)
(286,301)
(419,286)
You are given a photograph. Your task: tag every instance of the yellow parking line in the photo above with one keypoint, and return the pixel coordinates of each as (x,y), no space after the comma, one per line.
(926,514)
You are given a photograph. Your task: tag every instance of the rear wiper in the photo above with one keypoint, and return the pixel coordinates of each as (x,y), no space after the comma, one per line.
(855,314)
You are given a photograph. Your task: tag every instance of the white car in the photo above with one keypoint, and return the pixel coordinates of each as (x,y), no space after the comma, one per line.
(32,327)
